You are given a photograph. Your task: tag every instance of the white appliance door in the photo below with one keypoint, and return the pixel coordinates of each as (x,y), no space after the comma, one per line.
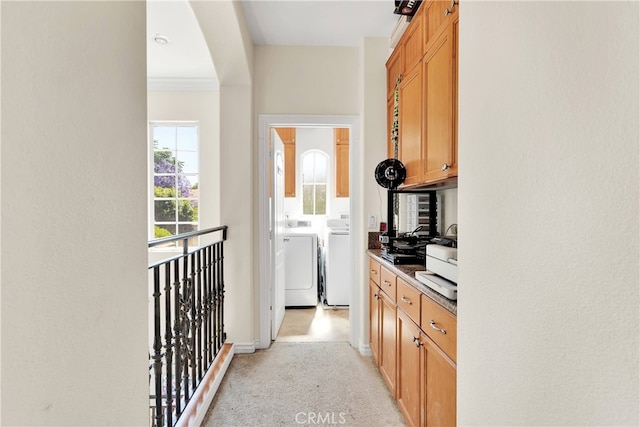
(277,240)
(300,262)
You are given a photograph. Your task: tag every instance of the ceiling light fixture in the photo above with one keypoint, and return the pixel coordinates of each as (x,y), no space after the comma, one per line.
(160,39)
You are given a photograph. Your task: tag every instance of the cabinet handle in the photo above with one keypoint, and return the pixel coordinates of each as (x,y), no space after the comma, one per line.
(376,296)
(433,326)
(447,12)
(406,300)
(286,239)
(445,166)
(374,271)
(386,282)
(417,342)
(454,3)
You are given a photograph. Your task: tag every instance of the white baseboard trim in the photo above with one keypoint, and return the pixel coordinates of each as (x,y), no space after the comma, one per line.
(365,350)
(245,347)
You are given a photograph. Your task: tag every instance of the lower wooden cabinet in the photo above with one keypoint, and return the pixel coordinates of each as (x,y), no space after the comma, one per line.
(382,334)
(409,381)
(439,386)
(413,341)
(388,341)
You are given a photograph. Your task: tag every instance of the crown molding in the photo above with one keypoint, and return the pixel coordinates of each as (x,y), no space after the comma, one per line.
(186,84)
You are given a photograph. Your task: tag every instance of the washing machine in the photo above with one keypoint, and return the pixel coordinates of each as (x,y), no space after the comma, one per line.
(301,268)
(337,264)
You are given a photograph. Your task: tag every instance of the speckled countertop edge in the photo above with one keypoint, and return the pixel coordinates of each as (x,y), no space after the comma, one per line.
(407,272)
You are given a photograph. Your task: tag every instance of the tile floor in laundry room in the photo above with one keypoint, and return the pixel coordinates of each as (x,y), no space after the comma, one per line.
(314,324)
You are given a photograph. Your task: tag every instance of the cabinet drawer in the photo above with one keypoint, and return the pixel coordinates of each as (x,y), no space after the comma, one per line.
(374,271)
(409,300)
(440,326)
(388,283)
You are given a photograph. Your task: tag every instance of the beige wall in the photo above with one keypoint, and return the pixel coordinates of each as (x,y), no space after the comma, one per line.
(548,211)
(74,214)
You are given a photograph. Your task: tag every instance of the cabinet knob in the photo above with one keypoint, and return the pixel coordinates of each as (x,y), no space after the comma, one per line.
(445,166)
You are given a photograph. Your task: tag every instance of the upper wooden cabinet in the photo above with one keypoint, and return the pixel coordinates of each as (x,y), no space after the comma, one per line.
(341,138)
(439,155)
(395,68)
(426,58)
(288,137)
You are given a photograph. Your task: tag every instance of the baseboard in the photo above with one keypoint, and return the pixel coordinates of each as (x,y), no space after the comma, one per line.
(197,408)
(245,348)
(365,350)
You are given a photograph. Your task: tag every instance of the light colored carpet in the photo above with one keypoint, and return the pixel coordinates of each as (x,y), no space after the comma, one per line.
(308,383)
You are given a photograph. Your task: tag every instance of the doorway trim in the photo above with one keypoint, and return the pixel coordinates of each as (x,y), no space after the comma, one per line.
(266,121)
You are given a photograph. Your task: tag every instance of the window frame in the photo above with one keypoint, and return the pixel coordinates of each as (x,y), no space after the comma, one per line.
(151,175)
(326,182)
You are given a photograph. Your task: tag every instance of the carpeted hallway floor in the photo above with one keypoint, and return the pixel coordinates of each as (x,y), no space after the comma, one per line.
(303,383)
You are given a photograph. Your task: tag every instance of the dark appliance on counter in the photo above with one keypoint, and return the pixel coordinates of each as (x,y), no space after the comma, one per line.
(406,248)
(406,7)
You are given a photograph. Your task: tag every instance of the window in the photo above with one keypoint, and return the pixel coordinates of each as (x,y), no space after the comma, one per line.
(175,178)
(314,183)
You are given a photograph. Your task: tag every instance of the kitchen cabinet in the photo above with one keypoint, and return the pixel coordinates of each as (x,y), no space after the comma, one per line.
(288,137)
(341,138)
(409,381)
(422,350)
(440,148)
(438,397)
(410,125)
(383,328)
(427,134)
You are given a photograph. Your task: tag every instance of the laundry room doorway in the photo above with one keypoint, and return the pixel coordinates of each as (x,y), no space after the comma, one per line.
(344,207)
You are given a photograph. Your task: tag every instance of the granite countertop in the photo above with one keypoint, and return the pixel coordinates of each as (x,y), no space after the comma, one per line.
(407,272)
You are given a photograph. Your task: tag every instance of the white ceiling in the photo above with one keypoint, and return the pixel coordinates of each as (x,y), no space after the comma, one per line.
(270,22)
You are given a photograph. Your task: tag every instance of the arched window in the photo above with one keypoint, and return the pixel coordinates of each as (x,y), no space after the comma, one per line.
(314,182)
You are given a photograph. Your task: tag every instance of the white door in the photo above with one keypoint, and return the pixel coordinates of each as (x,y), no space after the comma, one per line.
(277,240)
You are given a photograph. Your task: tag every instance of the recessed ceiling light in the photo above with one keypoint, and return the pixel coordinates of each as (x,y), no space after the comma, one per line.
(160,39)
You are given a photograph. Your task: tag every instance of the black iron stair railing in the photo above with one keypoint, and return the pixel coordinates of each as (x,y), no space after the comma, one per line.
(187,327)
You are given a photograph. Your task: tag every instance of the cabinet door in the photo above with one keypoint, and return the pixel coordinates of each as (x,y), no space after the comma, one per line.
(374,320)
(388,342)
(409,381)
(410,124)
(342,170)
(439,156)
(439,386)
(288,137)
(290,170)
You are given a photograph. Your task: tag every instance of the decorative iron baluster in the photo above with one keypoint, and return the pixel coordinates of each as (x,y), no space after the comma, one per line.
(168,342)
(157,347)
(178,334)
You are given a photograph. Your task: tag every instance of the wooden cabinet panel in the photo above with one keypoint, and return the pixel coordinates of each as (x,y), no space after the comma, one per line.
(374,321)
(410,125)
(374,271)
(388,283)
(439,387)
(440,325)
(408,300)
(409,382)
(439,161)
(288,137)
(438,16)
(413,40)
(395,65)
(341,137)
(387,349)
